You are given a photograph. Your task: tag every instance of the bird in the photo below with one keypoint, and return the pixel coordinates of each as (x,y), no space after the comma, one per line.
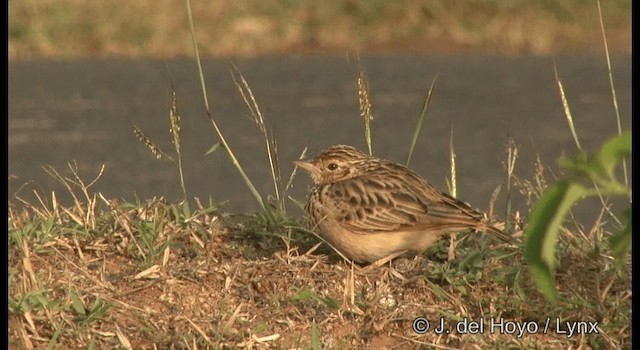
(372,209)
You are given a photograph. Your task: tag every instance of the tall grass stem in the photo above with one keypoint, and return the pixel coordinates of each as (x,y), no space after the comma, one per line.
(423,114)
(614,96)
(234,160)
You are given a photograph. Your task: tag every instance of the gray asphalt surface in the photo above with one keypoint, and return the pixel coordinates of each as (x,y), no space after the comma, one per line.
(83,110)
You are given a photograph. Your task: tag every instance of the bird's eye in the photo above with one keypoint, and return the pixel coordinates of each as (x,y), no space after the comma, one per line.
(332,166)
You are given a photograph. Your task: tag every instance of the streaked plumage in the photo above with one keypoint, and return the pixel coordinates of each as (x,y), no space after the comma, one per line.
(369,208)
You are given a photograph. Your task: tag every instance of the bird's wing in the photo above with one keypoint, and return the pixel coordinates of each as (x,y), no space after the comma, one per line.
(373,206)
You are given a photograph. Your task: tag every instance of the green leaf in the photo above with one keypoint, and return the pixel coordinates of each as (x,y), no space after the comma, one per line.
(545,221)
(330,302)
(302,294)
(186,210)
(437,290)
(601,166)
(308,294)
(315,337)
(98,309)
(620,243)
(78,305)
(581,165)
(612,152)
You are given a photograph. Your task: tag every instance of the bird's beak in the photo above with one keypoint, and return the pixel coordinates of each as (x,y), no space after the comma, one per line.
(306,166)
(310,168)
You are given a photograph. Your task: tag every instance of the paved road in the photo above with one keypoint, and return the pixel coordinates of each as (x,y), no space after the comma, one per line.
(84,111)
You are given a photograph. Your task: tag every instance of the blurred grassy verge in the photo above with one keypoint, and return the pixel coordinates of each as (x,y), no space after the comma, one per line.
(75,28)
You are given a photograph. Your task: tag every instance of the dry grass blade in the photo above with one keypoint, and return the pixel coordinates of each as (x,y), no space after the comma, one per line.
(232,319)
(532,190)
(270,143)
(155,149)
(364,101)
(614,96)
(289,184)
(63,181)
(70,185)
(174,119)
(174,129)
(567,110)
(493,200)
(91,200)
(274,162)
(124,341)
(512,156)
(382,261)
(42,211)
(24,337)
(452,163)
(202,333)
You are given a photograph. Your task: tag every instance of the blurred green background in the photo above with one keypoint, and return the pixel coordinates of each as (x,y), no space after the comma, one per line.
(159,28)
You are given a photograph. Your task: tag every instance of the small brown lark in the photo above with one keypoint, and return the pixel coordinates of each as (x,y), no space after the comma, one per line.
(369,208)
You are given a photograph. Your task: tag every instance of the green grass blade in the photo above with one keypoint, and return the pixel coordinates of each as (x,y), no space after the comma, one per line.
(423,114)
(195,49)
(77,304)
(54,338)
(315,337)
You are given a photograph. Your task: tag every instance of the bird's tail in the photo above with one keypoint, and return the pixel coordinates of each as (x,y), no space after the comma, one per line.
(485,227)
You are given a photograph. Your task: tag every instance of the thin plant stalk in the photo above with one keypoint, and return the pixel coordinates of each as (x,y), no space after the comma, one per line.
(174,117)
(365,102)
(452,161)
(250,102)
(614,96)
(423,114)
(302,156)
(567,110)
(512,156)
(174,120)
(155,150)
(232,156)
